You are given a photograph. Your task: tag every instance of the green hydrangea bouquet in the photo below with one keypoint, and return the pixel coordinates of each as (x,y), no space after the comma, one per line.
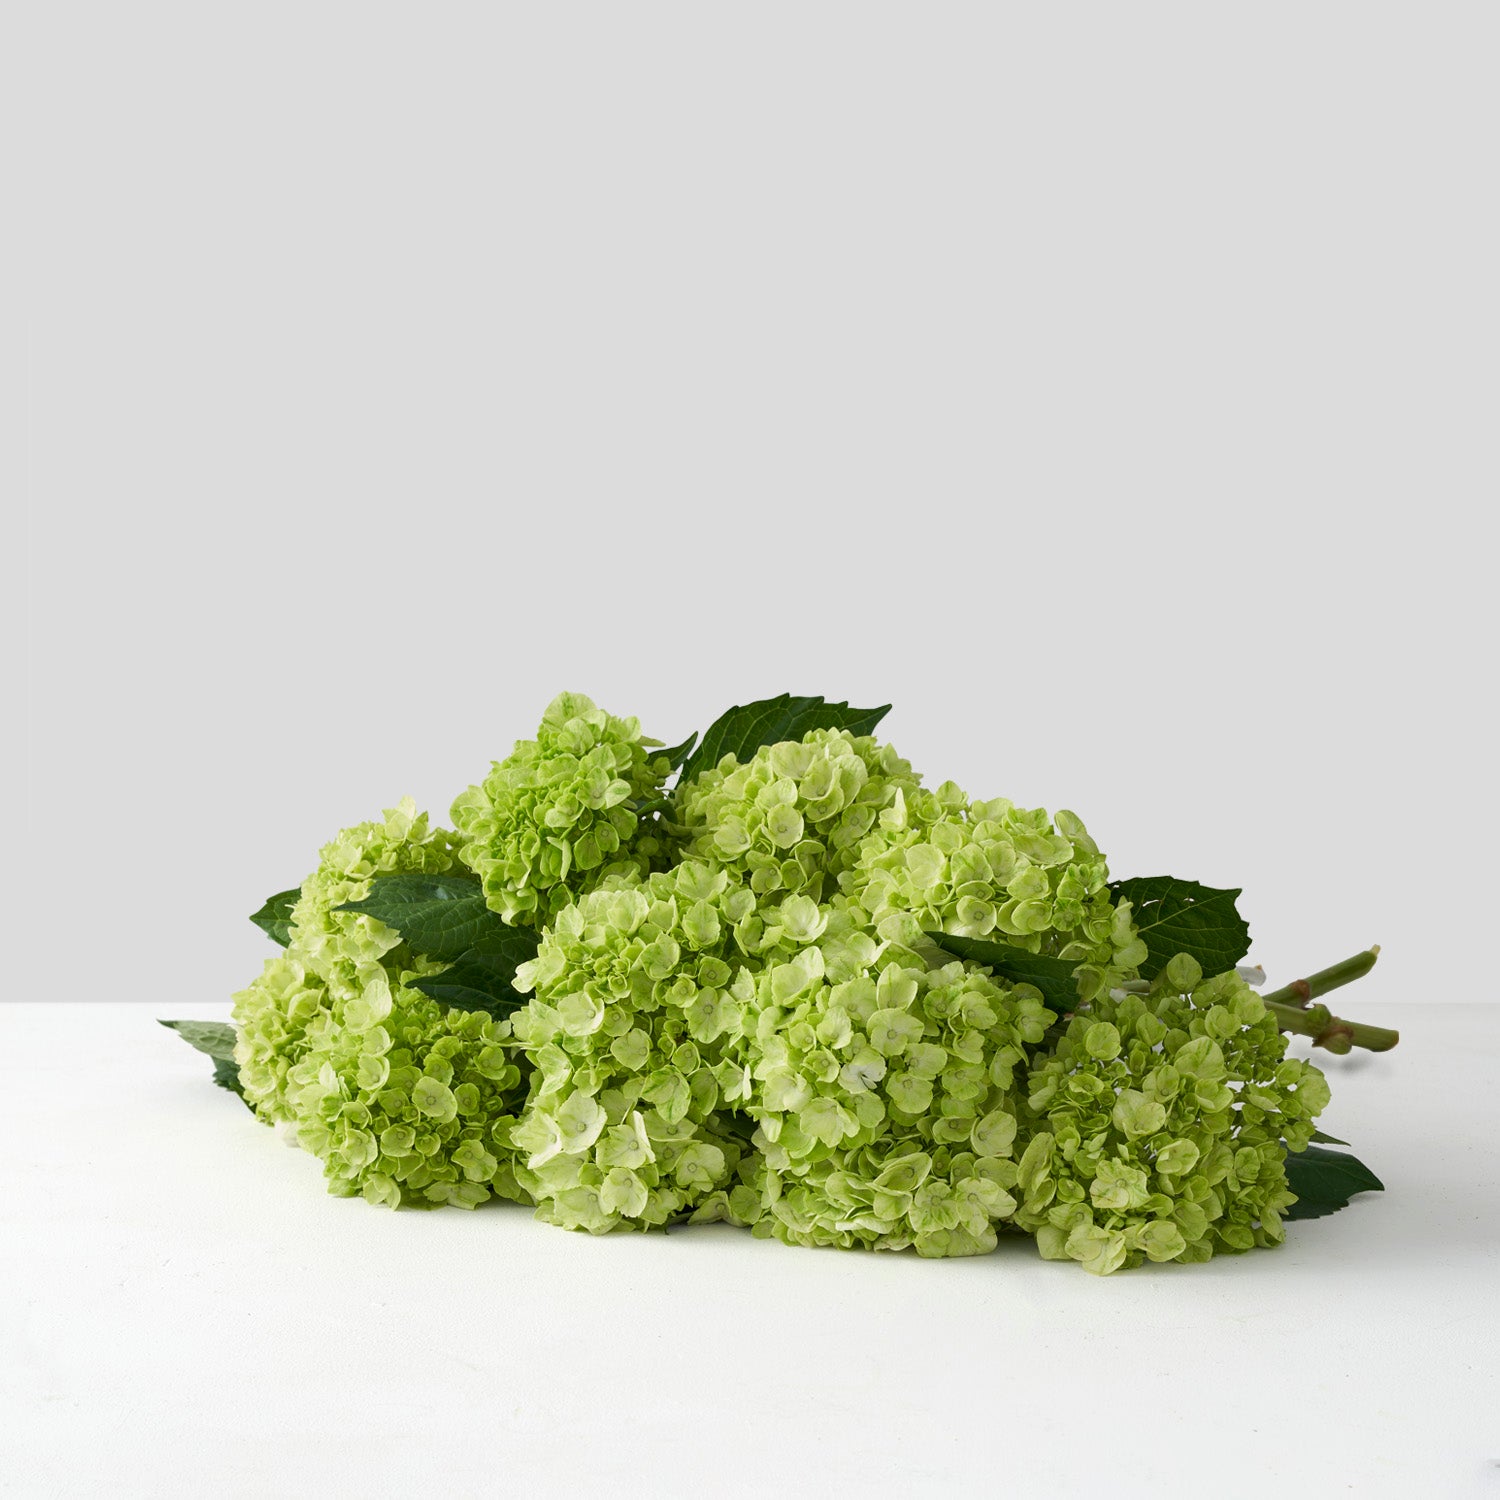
(770,978)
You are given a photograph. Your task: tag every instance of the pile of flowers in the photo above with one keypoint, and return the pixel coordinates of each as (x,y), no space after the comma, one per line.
(775,980)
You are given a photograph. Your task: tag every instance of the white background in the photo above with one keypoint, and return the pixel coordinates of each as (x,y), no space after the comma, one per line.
(197,1318)
(1112,390)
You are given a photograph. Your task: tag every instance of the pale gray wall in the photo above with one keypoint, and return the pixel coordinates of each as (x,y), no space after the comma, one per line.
(1113,390)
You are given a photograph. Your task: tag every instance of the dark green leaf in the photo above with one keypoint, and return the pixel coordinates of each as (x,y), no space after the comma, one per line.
(439,916)
(214,1039)
(1181,916)
(275,917)
(1325,1181)
(1052,976)
(1319,1139)
(676,754)
(444,917)
(746,727)
(484,977)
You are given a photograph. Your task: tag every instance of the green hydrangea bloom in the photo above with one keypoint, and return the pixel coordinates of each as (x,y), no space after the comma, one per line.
(407,1101)
(631,1034)
(791,817)
(332,953)
(272,1015)
(1155,1126)
(939,861)
(362,1069)
(885,1104)
(558,814)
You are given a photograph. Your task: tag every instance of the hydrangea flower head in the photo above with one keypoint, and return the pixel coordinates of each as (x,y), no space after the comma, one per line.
(272,1015)
(406,1101)
(886,1104)
(1156,1124)
(403,1099)
(790,818)
(332,954)
(631,1035)
(939,861)
(559,813)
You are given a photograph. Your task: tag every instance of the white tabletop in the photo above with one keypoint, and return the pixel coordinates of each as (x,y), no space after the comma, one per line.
(186,1313)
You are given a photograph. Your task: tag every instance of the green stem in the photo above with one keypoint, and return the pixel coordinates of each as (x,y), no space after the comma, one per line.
(1331,1031)
(1303,992)
(1294,1011)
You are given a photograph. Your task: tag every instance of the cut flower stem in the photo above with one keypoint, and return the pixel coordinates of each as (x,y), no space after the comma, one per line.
(1294,1011)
